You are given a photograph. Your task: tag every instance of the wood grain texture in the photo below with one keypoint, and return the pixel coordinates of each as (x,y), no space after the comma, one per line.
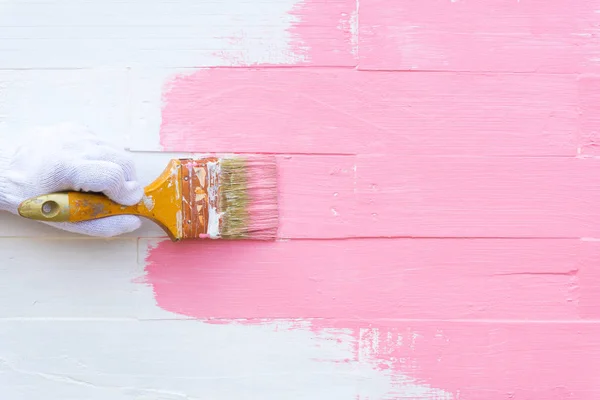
(558,36)
(174,360)
(73,279)
(343,111)
(182,33)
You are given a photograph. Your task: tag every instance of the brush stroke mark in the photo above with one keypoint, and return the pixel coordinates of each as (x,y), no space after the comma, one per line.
(376,279)
(557,36)
(318,33)
(343,111)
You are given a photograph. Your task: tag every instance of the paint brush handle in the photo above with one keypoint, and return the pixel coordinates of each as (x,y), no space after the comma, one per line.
(161,204)
(76,207)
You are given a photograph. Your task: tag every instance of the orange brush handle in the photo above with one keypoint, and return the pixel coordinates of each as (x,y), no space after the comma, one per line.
(87,206)
(77,207)
(161,203)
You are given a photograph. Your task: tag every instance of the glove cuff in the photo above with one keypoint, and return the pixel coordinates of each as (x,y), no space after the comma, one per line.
(6,157)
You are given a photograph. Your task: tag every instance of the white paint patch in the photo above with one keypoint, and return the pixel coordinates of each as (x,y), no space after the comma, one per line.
(351,23)
(214,217)
(589,239)
(175,176)
(179,218)
(148,202)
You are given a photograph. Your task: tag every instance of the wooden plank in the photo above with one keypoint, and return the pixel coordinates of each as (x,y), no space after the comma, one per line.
(170,359)
(477,197)
(460,279)
(343,111)
(495,35)
(182,33)
(58,278)
(380,196)
(428,360)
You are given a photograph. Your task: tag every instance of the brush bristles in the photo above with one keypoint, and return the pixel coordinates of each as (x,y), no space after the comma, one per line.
(248,198)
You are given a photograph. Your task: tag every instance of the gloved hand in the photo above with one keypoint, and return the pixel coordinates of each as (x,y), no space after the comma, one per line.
(69,157)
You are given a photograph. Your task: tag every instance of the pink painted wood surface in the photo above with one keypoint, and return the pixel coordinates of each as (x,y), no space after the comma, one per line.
(439,159)
(480,279)
(558,36)
(589,122)
(316,111)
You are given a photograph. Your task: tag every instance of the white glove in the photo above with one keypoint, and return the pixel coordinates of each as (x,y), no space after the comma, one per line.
(70,157)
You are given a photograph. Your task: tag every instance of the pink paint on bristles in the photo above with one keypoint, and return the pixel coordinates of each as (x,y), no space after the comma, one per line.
(263,209)
(250,189)
(263,198)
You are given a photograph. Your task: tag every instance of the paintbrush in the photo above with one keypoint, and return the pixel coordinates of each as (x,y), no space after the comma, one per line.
(232,197)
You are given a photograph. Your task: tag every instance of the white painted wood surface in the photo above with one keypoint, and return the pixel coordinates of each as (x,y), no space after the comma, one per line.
(154,33)
(76,320)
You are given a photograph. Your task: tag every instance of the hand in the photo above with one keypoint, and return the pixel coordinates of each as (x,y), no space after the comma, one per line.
(70,157)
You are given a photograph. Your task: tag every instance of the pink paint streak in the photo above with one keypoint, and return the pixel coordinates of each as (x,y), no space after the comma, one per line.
(261,186)
(341,111)
(557,36)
